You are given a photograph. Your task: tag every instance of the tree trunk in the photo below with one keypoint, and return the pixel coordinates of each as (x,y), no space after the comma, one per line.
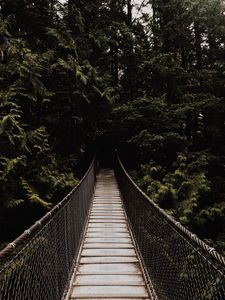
(113,47)
(198,45)
(130,62)
(183,57)
(129,13)
(154,27)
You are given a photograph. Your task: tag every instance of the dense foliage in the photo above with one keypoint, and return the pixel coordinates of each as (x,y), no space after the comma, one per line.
(146,77)
(47,97)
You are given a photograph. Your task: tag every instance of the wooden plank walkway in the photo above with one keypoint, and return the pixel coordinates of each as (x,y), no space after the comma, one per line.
(109,267)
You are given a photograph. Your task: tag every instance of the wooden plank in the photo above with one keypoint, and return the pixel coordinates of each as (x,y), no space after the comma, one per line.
(107,189)
(104,234)
(108,252)
(102,195)
(106,217)
(109,202)
(112,215)
(106,209)
(106,205)
(109,280)
(108,259)
(127,298)
(107,198)
(108,246)
(109,291)
(107,225)
(107,229)
(116,204)
(108,240)
(113,232)
(107,221)
(114,268)
(106,212)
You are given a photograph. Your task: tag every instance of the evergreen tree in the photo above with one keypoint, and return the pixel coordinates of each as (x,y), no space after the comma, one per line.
(149,82)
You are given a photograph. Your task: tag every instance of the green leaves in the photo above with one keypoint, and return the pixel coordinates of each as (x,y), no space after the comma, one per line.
(10,166)
(153,86)
(33,196)
(178,191)
(63,39)
(29,172)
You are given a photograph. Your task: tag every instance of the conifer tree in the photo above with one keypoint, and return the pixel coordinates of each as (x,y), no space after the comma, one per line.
(147,78)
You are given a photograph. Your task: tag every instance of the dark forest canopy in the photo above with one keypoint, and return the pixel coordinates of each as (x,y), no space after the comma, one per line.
(84,74)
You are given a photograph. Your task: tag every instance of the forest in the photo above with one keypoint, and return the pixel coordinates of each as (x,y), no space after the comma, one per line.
(145,77)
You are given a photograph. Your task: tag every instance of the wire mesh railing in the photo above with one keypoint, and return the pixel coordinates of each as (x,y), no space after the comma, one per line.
(178,265)
(38,265)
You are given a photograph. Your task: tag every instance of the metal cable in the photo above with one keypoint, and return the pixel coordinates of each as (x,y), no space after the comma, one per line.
(38,265)
(179,265)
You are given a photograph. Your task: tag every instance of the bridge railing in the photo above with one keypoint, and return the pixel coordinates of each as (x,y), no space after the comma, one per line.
(38,265)
(177,263)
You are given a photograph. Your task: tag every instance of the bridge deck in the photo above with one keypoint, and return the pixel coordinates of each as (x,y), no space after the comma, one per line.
(109,267)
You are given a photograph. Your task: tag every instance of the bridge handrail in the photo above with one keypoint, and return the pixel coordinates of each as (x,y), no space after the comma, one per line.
(177,263)
(38,264)
(211,251)
(28,233)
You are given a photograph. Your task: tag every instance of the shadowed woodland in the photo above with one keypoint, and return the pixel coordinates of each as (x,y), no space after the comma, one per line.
(144,77)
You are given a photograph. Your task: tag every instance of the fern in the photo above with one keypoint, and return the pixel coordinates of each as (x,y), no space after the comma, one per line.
(33,196)
(13,203)
(10,165)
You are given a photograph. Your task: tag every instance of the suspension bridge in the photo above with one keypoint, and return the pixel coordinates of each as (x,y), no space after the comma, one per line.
(107,240)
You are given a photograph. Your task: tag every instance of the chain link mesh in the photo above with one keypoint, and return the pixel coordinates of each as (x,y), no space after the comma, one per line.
(178,264)
(39,264)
